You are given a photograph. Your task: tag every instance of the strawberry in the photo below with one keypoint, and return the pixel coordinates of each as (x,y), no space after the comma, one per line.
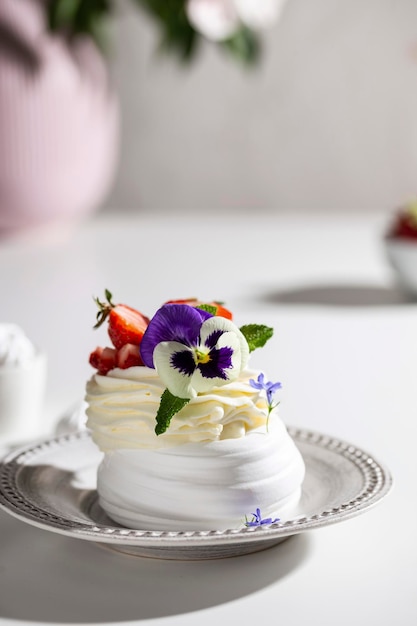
(220,309)
(126,325)
(405,223)
(103,359)
(128,356)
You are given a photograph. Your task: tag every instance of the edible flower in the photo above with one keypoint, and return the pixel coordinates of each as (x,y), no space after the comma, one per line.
(192,350)
(269,387)
(195,350)
(258,521)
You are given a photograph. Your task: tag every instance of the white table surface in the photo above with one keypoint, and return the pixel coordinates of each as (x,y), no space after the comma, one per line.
(345,348)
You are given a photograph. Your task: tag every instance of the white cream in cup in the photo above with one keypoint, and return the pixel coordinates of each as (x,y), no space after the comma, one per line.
(23,370)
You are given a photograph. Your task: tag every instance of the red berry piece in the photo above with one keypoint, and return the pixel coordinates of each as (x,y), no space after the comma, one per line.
(103,359)
(128,356)
(405,224)
(125,324)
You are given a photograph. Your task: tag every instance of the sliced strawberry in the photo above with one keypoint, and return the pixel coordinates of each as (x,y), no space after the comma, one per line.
(221,311)
(126,325)
(103,359)
(128,356)
(95,356)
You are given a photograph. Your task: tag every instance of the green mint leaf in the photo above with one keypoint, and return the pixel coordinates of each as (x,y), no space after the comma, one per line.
(256,335)
(169,406)
(209,308)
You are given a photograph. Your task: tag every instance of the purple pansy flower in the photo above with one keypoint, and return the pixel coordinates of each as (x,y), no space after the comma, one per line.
(192,350)
(269,387)
(258,521)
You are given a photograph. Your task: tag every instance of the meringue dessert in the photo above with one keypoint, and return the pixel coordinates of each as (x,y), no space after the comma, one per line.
(191,437)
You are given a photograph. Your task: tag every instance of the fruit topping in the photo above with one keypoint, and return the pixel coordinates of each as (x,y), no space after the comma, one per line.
(125,324)
(404,225)
(215,308)
(126,327)
(128,356)
(103,359)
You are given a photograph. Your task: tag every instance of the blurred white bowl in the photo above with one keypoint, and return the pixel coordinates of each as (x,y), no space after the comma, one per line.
(402,255)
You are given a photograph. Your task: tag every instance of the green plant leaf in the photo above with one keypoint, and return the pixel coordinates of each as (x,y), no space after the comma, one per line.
(244,45)
(209,308)
(169,406)
(256,335)
(177,34)
(62,13)
(78,17)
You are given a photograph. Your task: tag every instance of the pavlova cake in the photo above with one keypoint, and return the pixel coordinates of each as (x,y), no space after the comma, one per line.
(191,436)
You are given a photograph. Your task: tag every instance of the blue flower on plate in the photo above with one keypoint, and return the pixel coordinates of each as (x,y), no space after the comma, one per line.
(258,521)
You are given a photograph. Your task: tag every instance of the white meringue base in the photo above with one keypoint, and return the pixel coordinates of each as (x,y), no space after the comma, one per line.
(203,486)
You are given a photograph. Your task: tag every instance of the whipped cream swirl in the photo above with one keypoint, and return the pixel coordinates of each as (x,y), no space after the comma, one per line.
(122,407)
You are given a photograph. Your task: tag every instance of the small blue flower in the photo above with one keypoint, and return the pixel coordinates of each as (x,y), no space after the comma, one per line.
(258,521)
(269,387)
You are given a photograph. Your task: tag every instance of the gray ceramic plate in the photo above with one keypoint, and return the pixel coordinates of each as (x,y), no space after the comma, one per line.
(52,486)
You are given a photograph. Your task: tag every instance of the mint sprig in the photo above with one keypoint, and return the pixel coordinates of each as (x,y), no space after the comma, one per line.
(169,406)
(209,308)
(256,335)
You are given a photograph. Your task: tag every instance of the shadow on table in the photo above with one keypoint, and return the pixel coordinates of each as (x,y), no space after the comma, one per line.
(339,295)
(52,578)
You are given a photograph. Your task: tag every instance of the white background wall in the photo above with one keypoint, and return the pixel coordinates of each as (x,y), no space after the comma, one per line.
(328,121)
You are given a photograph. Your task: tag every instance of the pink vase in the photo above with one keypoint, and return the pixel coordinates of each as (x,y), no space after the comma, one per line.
(59,123)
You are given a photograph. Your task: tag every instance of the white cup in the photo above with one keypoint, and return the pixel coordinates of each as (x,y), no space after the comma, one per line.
(402,255)
(22,394)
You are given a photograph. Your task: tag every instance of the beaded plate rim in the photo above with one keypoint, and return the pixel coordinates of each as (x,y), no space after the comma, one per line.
(376,477)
